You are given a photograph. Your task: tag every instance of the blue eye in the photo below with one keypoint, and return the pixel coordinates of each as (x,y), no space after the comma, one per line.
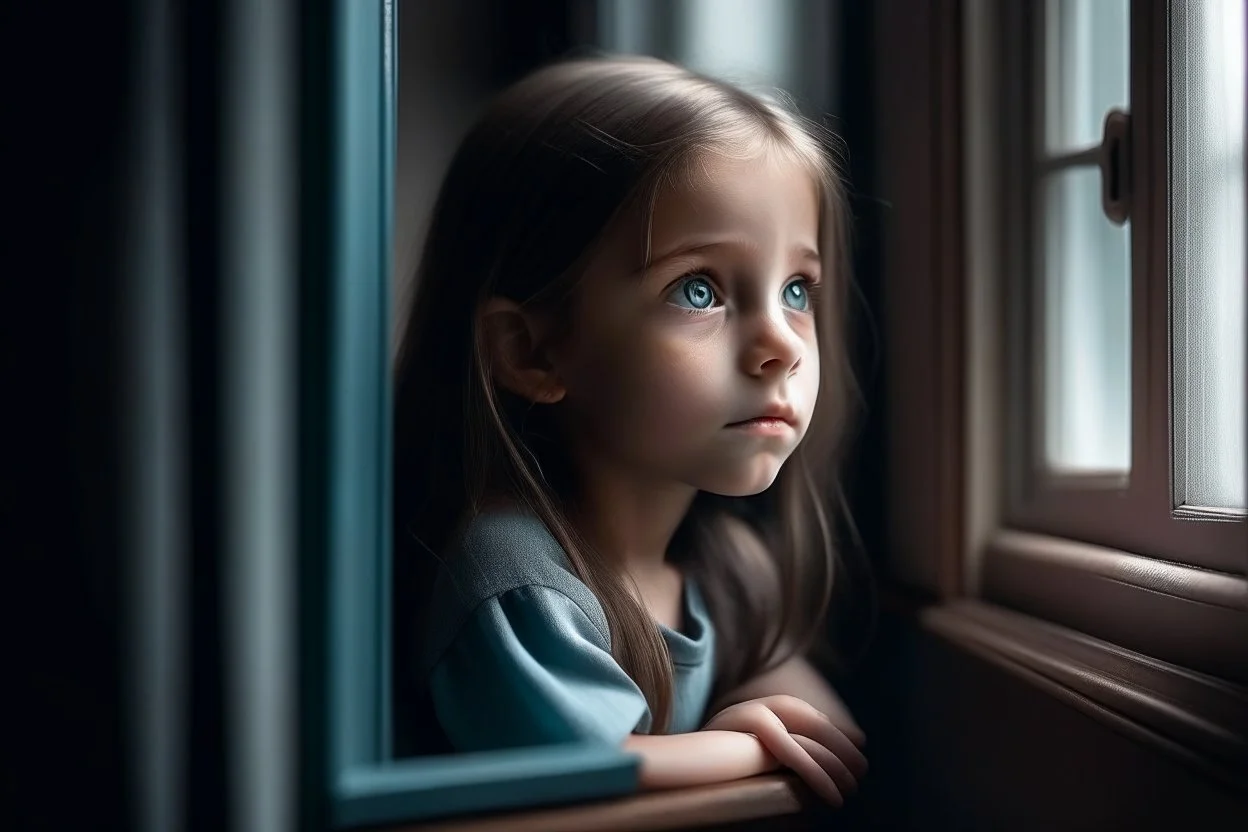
(693,292)
(796,295)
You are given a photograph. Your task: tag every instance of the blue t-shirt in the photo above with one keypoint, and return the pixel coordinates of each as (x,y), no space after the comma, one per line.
(518,652)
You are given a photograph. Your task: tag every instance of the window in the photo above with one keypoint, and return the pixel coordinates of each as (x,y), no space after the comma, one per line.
(348,766)
(1098,420)
(1108,274)
(786,45)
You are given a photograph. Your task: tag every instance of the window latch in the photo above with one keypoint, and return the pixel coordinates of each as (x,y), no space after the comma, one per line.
(1115,162)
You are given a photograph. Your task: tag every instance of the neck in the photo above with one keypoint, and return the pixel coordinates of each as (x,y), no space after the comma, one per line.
(631,522)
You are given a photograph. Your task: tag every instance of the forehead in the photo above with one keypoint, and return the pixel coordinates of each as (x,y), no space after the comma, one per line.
(753,199)
(769,194)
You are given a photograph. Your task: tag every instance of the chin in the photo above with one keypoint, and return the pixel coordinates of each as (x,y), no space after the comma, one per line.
(748,478)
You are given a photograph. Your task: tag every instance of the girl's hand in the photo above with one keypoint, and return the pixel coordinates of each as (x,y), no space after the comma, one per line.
(800,738)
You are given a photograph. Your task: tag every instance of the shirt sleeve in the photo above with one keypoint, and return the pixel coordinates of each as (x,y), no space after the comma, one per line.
(530,668)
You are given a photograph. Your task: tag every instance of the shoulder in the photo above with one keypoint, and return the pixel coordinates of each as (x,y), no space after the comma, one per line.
(503,554)
(502,551)
(529,668)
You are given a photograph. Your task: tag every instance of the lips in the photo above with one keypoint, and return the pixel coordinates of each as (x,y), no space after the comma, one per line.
(773,414)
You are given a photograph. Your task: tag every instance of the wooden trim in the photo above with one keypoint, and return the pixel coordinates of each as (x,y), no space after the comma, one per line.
(1200,585)
(1009,202)
(983,293)
(765,796)
(923,301)
(1138,519)
(948,207)
(1213,515)
(1200,721)
(1193,618)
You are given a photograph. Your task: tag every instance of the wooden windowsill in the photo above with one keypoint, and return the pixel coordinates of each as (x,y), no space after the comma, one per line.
(1187,616)
(1199,720)
(764,796)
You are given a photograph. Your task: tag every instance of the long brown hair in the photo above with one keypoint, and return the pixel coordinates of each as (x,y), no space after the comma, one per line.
(533,187)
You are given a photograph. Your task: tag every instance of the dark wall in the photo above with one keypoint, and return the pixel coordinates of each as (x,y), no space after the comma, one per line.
(68,102)
(452,58)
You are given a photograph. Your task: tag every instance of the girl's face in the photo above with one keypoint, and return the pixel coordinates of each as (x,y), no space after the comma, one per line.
(702,369)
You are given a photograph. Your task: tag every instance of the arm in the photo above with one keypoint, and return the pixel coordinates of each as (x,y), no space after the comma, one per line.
(751,738)
(796,678)
(679,760)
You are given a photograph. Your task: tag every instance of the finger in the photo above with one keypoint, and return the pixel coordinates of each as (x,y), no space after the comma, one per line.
(792,755)
(842,719)
(850,729)
(837,770)
(800,718)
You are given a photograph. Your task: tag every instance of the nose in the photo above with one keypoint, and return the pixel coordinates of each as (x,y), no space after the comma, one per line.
(773,348)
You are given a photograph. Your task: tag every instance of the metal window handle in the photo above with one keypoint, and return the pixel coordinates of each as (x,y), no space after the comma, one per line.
(1115,163)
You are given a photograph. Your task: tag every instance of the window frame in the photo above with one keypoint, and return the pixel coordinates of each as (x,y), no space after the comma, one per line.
(1139,516)
(347,776)
(1087,552)
(1134,641)
(1106,528)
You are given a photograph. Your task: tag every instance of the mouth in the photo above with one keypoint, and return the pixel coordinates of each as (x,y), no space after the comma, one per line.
(774,420)
(764,425)
(778,417)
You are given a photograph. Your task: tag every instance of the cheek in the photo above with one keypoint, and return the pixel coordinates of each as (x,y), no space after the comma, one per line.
(649,389)
(679,390)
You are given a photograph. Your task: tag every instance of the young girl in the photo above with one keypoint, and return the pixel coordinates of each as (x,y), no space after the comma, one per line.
(620,399)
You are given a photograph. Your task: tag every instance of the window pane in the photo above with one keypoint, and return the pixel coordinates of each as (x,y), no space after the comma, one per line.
(1087,328)
(1086,69)
(747,41)
(1207,228)
(760,44)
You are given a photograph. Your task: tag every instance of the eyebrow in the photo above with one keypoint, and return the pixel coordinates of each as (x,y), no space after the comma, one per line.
(801,251)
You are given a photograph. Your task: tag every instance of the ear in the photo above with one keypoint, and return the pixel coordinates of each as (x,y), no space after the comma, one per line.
(513,339)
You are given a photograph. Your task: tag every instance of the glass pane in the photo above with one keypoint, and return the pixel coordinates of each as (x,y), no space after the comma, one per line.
(1207,247)
(1086,69)
(1087,328)
(746,41)
(760,44)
